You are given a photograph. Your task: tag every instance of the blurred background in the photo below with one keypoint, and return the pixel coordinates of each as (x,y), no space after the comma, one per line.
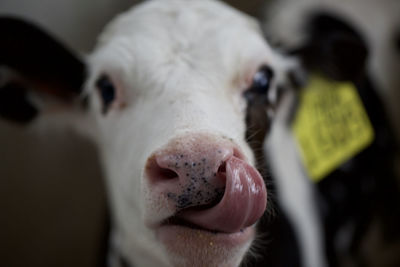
(57,218)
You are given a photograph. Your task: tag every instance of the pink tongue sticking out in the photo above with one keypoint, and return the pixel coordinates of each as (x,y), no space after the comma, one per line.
(243,203)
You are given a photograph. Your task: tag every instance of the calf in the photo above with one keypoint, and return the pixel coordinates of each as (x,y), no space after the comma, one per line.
(164,96)
(357,201)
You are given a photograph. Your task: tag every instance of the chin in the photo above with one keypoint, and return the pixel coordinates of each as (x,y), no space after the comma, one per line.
(190,246)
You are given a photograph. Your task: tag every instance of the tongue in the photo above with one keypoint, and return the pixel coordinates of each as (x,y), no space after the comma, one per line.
(243,203)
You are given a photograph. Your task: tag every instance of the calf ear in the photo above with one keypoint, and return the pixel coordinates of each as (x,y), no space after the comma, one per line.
(41,62)
(334,48)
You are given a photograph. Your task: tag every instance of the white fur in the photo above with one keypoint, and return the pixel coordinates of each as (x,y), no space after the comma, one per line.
(295,193)
(180,67)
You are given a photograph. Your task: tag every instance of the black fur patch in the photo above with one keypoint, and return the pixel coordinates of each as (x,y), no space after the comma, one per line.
(334,48)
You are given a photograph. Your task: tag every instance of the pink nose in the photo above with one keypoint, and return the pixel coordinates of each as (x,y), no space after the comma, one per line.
(209,183)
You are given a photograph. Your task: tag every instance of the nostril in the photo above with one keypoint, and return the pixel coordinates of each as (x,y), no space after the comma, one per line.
(222,168)
(157,173)
(167,174)
(221,176)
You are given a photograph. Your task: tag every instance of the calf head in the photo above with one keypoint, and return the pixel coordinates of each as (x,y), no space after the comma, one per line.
(166,95)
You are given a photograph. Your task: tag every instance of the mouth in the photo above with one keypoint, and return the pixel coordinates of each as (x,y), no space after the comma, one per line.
(180,222)
(176,230)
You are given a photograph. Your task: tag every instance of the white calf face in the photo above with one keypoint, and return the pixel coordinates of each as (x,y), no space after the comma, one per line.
(172,134)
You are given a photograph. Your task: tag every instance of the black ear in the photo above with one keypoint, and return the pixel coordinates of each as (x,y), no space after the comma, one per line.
(334,48)
(42,62)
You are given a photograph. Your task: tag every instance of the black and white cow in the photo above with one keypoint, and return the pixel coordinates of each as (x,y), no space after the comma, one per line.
(358,203)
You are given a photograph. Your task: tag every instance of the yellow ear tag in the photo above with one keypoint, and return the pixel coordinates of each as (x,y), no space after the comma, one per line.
(331,126)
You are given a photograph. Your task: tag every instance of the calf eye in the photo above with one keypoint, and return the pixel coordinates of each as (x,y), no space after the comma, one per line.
(107,91)
(261,83)
(262,80)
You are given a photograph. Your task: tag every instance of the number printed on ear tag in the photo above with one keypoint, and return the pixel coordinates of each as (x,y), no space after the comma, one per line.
(331,126)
